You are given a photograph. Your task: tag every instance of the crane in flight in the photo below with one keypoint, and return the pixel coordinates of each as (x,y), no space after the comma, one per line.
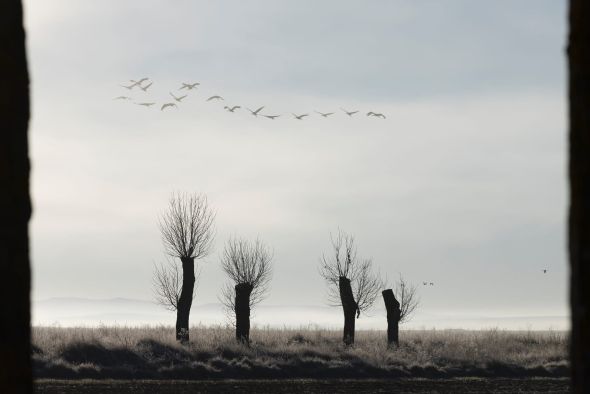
(146,104)
(349,113)
(189,86)
(215,98)
(271,117)
(299,117)
(146,87)
(168,105)
(232,109)
(375,114)
(325,115)
(255,113)
(178,99)
(122,98)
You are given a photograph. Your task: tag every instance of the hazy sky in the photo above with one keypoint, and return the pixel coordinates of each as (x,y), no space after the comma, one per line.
(462,185)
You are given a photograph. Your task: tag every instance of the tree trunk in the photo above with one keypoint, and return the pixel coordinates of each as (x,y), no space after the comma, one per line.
(242,309)
(15,204)
(186,299)
(349,307)
(579,174)
(393,317)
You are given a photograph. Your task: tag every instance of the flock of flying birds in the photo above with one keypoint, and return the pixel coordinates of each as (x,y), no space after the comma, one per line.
(145,83)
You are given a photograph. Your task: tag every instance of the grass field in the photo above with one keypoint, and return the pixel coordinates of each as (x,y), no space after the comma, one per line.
(152,353)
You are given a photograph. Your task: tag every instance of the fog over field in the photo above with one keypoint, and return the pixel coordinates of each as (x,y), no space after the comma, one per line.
(462,185)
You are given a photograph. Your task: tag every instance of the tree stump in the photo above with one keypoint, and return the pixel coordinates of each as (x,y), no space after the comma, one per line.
(393,316)
(186,299)
(349,307)
(242,309)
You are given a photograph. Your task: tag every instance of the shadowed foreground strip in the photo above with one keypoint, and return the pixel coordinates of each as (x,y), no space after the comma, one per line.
(309,386)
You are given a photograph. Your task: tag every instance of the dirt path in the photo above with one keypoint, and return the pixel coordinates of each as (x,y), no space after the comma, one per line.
(410,386)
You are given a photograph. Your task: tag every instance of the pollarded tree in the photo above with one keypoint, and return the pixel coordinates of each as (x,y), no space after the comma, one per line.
(248,267)
(400,303)
(187,229)
(351,281)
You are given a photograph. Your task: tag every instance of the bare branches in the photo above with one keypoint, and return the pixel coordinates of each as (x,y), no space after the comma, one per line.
(247,262)
(167,283)
(187,227)
(343,262)
(407,298)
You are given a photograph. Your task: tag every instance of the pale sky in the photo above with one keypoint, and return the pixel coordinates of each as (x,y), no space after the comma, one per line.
(463,184)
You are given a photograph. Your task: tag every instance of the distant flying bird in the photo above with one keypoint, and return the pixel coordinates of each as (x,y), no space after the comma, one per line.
(272,117)
(424,283)
(189,86)
(255,113)
(544,271)
(129,87)
(146,87)
(146,104)
(138,82)
(431,284)
(299,117)
(215,98)
(232,109)
(325,115)
(349,113)
(122,98)
(375,114)
(178,99)
(168,105)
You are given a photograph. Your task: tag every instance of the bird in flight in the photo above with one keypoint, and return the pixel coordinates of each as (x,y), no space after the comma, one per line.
(178,99)
(232,109)
(299,117)
(349,113)
(138,82)
(129,87)
(189,86)
(545,271)
(215,98)
(272,117)
(424,283)
(431,284)
(168,105)
(375,114)
(122,98)
(325,115)
(146,87)
(146,104)
(255,113)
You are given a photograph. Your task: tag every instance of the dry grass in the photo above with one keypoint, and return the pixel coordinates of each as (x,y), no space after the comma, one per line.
(152,352)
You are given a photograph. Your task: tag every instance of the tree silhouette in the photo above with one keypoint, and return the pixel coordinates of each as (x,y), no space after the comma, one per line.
(248,267)
(187,229)
(167,283)
(351,281)
(15,204)
(400,304)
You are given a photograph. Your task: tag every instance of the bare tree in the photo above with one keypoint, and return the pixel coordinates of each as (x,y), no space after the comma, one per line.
(15,204)
(187,229)
(400,303)
(167,282)
(248,267)
(351,281)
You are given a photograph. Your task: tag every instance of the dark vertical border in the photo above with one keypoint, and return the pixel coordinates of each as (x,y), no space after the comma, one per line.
(15,207)
(579,176)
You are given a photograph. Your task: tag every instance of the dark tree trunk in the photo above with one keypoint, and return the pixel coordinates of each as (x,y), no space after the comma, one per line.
(349,307)
(579,174)
(393,316)
(15,205)
(186,299)
(242,309)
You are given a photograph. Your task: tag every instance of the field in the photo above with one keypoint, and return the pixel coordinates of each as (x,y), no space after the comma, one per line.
(152,353)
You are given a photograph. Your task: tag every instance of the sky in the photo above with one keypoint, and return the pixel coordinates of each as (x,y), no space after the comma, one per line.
(463,184)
